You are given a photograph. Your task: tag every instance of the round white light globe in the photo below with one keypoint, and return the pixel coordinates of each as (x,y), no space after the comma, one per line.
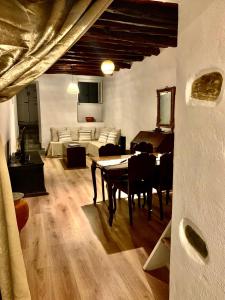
(107,67)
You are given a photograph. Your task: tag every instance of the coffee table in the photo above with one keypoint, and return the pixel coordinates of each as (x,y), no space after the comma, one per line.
(74,156)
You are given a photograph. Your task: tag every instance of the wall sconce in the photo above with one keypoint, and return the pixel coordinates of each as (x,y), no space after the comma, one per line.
(73,87)
(107,67)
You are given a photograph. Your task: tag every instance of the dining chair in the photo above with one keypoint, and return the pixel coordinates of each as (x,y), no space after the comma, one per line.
(148,148)
(107,150)
(163,180)
(140,180)
(144,147)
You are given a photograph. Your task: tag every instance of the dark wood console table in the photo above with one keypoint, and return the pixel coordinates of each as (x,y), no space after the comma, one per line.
(28,177)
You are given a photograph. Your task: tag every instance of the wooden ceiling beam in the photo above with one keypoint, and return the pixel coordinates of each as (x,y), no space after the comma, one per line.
(72,72)
(78,68)
(91,52)
(144,39)
(98,46)
(115,26)
(127,51)
(97,64)
(71,61)
(168,5)
(119,42)
(129,36)
(137,20)
(103,57)
(150,10)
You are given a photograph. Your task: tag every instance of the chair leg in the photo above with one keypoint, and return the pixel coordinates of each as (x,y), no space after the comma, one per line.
(167,196)
(130,208)
(149,204)
(119,194)
(139,200)
(144,197)
(103,187)
(114,199)
(159,192)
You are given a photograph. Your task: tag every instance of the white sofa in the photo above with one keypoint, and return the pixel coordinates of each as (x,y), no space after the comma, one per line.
(89,137)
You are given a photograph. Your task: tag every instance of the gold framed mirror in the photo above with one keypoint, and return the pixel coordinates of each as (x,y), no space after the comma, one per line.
(165,107)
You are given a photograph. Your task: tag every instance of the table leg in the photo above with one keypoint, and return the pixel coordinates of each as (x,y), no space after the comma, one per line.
(110,198)
(93,173)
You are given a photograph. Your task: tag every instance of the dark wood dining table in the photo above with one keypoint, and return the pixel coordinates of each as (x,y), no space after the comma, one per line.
(111,172)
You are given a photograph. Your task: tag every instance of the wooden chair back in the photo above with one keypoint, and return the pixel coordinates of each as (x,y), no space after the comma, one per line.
(141,173)
(165,179)
(109,150)
(144,147)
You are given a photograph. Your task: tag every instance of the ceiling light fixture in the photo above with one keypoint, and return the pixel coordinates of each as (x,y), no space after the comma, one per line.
(73,87)
(107,67)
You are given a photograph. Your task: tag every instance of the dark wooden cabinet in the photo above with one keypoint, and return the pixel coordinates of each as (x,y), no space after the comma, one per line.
(161,141)
(28,177)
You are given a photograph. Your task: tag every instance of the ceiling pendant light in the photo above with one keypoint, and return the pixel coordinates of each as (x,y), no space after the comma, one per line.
(107,67)
(73,87)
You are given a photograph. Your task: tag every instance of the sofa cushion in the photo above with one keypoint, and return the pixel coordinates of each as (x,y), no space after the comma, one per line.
(64,135)
(97,133)
(106,129)
(55,149)
(93,147)
(112,138)
(74,132)
(92,129)
(84,135)
(103,137)
(54,134)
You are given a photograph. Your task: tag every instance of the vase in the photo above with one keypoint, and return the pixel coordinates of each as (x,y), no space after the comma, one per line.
(22,209)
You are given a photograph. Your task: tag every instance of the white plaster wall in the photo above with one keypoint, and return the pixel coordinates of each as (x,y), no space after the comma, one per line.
(90,110)
(8,125)
(199,181)
(130,100)
(58,108)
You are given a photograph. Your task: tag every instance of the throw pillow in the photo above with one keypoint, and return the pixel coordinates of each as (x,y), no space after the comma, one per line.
(74,132)
(112,138)
(92,129)
(64,135)
(54,134)
(118,132)
(97,133)
(103,137)
(84,135)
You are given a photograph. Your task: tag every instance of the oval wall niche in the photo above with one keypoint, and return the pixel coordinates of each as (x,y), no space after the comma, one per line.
(205,88)
(193,241)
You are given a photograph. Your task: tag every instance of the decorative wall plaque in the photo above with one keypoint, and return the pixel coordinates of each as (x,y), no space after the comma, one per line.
(207,87)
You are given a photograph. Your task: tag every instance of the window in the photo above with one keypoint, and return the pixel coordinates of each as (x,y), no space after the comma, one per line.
(89,92)
(90,99)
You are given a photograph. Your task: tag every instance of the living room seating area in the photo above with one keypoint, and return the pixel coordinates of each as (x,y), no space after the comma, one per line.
(92,138)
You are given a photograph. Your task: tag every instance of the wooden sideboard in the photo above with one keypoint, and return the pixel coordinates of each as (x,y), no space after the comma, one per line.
(28,177)
(162,141)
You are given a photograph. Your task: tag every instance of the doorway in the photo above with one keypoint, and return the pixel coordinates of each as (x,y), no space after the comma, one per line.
(27,111)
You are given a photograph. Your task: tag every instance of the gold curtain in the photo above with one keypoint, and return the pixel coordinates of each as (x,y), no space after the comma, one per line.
(33,35)
(13,281)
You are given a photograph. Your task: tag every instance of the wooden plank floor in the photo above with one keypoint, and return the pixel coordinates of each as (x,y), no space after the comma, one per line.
(71,253)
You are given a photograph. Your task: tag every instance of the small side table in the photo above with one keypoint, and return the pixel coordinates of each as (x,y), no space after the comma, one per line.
(74,156)
(22,209)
